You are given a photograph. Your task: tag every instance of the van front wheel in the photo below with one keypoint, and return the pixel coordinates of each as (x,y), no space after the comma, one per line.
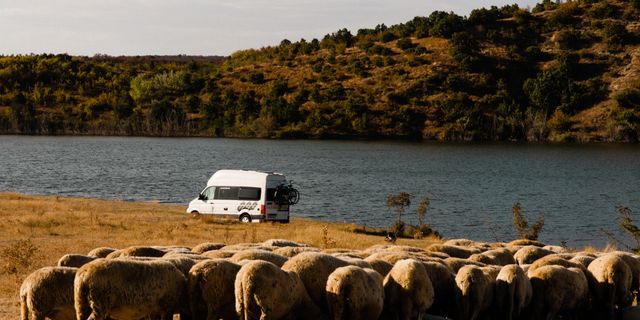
(245,218)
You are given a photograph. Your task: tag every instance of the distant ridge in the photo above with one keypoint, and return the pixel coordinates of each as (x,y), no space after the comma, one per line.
(560,72)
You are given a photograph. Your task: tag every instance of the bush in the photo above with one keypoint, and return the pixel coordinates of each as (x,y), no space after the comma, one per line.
(523,229)
(614,33)
(629,98)
(405,44)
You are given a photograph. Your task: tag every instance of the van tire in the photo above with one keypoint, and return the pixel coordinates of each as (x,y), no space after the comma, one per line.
(245,218)
(195,214)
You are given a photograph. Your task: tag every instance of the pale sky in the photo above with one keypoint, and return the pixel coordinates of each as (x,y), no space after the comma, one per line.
(197,27)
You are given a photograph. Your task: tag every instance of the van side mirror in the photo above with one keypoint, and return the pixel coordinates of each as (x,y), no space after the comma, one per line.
(201,197)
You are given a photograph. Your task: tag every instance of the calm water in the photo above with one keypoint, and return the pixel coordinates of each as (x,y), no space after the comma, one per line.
(472,187)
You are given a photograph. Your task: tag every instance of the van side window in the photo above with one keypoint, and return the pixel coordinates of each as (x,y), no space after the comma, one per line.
(271,194)
(226,193)
(248,193)
(208,193)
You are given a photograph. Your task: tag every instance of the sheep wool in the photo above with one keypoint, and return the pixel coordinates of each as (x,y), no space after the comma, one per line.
(211,289)
(354,293)
(408,291)
(48,292)
(128,289)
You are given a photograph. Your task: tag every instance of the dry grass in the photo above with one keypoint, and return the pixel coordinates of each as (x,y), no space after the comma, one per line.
(37,230)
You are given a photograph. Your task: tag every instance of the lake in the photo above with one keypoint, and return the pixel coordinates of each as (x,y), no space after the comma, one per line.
(472,187)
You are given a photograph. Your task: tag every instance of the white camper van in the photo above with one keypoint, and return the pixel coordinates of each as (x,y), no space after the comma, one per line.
(249,196)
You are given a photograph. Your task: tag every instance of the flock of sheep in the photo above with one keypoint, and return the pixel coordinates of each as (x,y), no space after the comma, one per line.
(282,279)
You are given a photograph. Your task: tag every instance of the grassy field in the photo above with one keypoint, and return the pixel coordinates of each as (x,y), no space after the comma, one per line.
(37,230)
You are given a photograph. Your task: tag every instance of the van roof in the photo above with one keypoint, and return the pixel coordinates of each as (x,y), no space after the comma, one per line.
(240,177)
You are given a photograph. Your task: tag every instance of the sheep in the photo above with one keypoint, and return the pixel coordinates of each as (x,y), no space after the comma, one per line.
(137,251)
(554,259)
(444,287)
(192,256)
(101,252)
(583,260)
(512,292)
(354,293)
(218,254)
(456,263)
(314,269)
(381,266)
(207,246)
(264,291)
(529,254)
(211,289)
(408,291)
(500,256)
(292,251)
(453,251)
(283,243)
(257,254)
(246,246)
(390,257)
(356,262)
(128,288)
(556,249)
(611,284)
(48,292)
(74,260)
(460,242)
(558,289)
(526,242)
(634,264)
(474,292)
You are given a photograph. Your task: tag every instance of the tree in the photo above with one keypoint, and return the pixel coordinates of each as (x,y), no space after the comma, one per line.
(423,206)
(398,203)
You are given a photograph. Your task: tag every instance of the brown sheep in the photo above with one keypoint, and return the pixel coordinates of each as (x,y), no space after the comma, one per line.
(556,290)
(499,257)
(48,293)
(128,289)
(257,254)
(512,292)
(611,284)
(474,293)
(74,260)
(264,291)
(453,251)
(354,293)
(408,291)
(211,290)
(207,246)
(634,264)
(101,252)
(529,254)
(314,269)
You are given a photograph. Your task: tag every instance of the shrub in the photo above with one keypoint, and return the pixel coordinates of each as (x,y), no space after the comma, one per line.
(629,98)
(523,229)
(614,33)
(399,203)
(405,44)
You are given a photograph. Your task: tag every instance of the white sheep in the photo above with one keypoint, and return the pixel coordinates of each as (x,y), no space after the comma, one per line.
(137,251)
(314,269)
(48,293)
(128,289)
(207,246)
(475,292)
(292,251)
(456,263)
(611,284)
(558,289)
(499,257)
(453,251)
(529,254)
(264,291)
(408,291)
(354,293)
(101,252)
(258,254)
(211,289)
(512,292)
(444,287)
(74,260)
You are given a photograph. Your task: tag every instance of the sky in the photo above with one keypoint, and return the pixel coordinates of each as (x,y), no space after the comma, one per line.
(197,27)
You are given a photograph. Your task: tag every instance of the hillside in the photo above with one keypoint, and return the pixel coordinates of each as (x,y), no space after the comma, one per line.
(559,72)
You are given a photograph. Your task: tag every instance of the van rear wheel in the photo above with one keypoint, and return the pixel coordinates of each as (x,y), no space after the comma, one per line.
(245,218)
